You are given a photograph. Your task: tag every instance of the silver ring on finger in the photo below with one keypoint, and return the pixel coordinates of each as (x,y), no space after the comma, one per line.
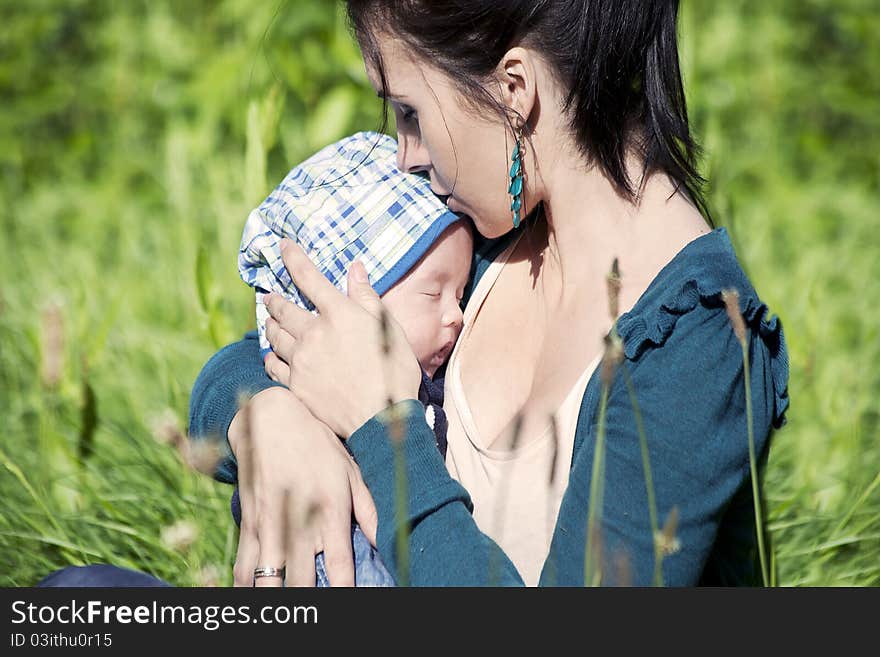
(269,571)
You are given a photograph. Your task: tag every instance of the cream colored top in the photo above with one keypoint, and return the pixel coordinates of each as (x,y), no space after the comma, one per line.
(514,502)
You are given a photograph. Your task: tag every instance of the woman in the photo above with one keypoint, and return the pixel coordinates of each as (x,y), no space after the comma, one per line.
(588,98)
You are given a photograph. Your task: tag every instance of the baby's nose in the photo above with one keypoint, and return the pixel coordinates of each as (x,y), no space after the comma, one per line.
(454,317)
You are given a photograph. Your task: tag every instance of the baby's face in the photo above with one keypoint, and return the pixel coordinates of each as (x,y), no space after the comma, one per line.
(426,302)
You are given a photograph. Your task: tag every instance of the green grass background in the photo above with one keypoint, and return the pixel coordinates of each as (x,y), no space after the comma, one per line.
(136,136)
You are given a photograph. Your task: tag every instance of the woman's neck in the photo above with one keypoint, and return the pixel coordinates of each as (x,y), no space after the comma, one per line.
(588,224)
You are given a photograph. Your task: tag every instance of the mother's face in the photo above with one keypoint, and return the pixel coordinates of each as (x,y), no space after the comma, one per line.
(466,156)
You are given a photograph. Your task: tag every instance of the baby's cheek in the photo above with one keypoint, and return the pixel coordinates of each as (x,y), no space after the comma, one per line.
(424,348)
(425,356)
(420,336)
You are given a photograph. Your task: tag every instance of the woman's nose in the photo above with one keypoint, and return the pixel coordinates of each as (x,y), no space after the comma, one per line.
(412,156)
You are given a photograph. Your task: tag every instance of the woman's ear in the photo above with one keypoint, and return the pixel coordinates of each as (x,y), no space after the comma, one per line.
(517,77)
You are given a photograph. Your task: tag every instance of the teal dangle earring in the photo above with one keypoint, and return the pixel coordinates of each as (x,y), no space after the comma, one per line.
(516,180)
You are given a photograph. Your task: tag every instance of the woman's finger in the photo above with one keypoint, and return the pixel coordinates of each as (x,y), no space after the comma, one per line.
(363,507)
(338,556)
(276,368)
(290,317)
(360,290)
(282,342)
(271,555)
(308,279)
(246,556)
(301,555)
(301,567)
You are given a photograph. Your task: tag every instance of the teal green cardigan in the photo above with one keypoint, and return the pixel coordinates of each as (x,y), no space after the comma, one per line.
(686,367)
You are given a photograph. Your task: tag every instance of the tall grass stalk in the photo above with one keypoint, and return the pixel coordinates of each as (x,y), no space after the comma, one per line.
(400,505)
(395,431)
(38,500)
(611,358)
(731,301)
(550,578)
(501,501)
(592,555)
(649,481)
(862,498)
(753,467)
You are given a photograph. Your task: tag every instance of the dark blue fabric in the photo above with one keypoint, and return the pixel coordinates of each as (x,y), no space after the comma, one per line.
(98,575)
(431,396)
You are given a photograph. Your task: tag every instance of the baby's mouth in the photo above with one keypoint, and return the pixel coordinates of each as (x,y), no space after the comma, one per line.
(444,352)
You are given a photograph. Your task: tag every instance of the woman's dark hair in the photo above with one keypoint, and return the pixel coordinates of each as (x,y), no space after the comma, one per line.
(617,58)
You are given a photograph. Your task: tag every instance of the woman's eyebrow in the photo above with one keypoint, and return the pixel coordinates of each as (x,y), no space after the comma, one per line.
(382,93)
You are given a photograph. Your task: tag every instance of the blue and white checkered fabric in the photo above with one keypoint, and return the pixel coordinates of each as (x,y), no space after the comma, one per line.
(347,202)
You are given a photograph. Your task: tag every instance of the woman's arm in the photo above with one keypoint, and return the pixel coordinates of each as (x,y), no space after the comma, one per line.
(282,449)
(445,546)
(299,489)
(234,373)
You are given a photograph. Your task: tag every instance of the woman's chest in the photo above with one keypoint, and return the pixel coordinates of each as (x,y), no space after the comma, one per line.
(522,356)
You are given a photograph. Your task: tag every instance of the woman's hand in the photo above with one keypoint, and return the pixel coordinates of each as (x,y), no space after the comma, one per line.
(336,361)
(298,488)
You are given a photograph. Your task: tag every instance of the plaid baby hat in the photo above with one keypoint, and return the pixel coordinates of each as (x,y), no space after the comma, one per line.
(348,201)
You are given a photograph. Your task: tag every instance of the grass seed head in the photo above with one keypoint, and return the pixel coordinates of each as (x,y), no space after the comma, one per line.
(209,576)
(517,431)
(554,436)
(167,430)
(612,357)
(393,420)
(622,569)
(180,536)
(666,540)
(613,281)
(53,346)
(731,303)
(203,455)
(383,326)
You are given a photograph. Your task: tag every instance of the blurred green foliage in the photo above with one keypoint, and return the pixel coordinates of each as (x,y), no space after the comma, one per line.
(136,136)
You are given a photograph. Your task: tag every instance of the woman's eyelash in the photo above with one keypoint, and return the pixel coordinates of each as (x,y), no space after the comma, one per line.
(408,114)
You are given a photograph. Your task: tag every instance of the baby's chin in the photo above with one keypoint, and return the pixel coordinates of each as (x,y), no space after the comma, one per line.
(436,359)
(431,364)
(429,368)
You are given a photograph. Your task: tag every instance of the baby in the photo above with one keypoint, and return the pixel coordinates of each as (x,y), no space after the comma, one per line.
(350,202)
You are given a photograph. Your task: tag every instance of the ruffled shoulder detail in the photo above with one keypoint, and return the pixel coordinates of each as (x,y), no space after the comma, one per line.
(695,278)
